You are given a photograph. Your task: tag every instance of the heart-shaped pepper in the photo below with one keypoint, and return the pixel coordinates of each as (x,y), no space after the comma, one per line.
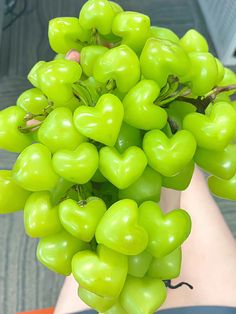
(203,72)
(128,136)
(166,267)
(33,169)
(166,232)
(40,217)
(55,79)
(66,33)
(11,138)
(181,181)
(122,169)
(143,295)
(164,33)
(146,188)
(101,123)
(223,188)
(34,101)
(12,196)
(88,57)
(119,229)
(133,28)
(81,218)
(120,64)
(97,302)
(76,166)
(139,264)
(214,131)
(58,131)
(166,155)
(193,41)
(161,58)
(56,251)
(93,14)
(221,164)
(102,273)
(139,108)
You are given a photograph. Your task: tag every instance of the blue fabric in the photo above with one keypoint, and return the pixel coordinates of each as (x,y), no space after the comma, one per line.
(188,310)
(200,310)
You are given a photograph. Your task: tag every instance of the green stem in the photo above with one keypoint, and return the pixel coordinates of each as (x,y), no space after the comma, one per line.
(111,85)
(29,128)
(81,195)
(173,125)
(166,101)
(82,93)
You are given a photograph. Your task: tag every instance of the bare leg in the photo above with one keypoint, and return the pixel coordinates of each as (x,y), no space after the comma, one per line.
(68,300)
(209,254)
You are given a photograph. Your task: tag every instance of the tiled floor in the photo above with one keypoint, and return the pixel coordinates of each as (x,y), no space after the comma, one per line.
(24,283)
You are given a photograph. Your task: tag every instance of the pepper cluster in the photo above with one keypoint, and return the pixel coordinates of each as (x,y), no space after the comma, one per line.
(124,109)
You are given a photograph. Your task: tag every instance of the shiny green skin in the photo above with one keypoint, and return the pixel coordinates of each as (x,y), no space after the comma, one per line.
(133,28)
(12,196)
(181,181)
(116,7)
(119,229)
(80,219)
(77,166)
(66,33)
(233,103)
(55,79)
(139,108)
(106,39)
(97,302)
(139,264)
(122,170)
(33,74)
(146,188)
(40,216)
(193,41)
(102,273)
(166,232)
(89,56)
(221,164)
(215,131)
(228,79)
(56,251)
(120,64)
(33,100)
(161,58)
(169,156)
(164,33)
(11,138)
(203,74)
(58,131)
(98,14)
(167,267)
(116,309)
(143,295)
(33,169)
(223,188)
(128,136)
(101,123)
(59,56)
(220,70)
